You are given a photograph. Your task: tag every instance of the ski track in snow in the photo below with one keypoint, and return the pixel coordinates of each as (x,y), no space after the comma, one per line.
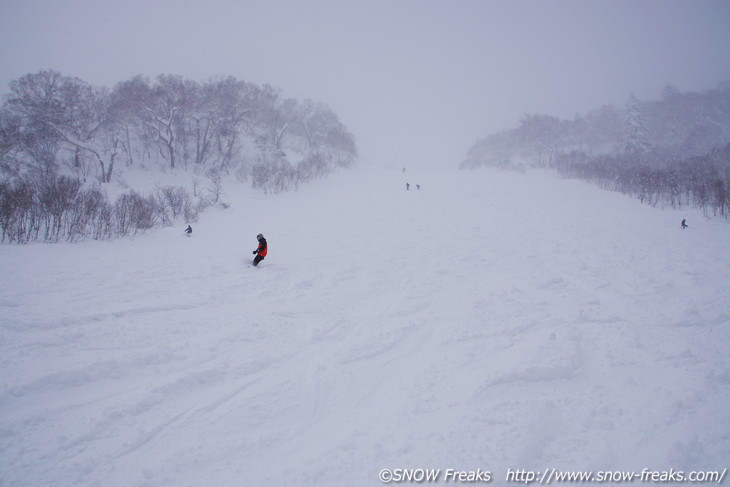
(490,320)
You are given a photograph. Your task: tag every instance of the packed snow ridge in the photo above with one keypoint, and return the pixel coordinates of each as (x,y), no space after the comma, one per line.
(487,321)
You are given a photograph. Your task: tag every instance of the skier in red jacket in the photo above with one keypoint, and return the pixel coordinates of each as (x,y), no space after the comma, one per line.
(261,251)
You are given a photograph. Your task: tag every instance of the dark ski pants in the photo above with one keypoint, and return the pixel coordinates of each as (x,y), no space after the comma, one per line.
(257,259)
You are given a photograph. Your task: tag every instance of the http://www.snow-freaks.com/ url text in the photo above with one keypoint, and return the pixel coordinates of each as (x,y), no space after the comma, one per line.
(547,476)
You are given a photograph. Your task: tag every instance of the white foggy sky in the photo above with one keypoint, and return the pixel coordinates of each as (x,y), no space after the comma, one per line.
(416,81)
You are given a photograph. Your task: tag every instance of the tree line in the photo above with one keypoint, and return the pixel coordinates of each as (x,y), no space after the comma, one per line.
(63,208)
(61,137)
(49,122)
(671,152)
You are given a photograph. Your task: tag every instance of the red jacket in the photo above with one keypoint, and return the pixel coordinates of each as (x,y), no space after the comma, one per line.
(263,248)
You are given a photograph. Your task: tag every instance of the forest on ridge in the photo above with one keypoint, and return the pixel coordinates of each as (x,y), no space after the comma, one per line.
(672,152)
(61,138)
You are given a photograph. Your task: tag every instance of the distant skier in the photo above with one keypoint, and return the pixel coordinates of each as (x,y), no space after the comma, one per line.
(189,230)
(684,223)
(261,251)
(408,186)
(418,187)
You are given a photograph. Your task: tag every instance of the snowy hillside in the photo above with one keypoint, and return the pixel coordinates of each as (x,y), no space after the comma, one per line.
(489,321)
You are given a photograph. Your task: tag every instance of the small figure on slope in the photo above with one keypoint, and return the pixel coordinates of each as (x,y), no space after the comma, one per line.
(684,223)
(261,251)
(189,230)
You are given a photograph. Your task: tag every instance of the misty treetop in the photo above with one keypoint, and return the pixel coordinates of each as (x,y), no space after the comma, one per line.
(51,124)
(674,151)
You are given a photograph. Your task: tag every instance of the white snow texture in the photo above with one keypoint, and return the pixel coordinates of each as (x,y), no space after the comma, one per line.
(487,321)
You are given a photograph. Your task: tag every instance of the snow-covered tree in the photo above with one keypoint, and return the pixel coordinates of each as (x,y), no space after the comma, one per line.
(63,111)
(635,130)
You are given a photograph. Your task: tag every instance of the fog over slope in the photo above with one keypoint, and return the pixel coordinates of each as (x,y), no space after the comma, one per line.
(487,321)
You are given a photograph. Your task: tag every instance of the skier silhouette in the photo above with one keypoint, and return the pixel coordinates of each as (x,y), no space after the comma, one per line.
(189,230)
(684,223)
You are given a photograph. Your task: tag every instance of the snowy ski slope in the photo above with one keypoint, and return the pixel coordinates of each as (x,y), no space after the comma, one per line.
(489,321)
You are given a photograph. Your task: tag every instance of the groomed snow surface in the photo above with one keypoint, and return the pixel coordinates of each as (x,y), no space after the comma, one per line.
(487,321)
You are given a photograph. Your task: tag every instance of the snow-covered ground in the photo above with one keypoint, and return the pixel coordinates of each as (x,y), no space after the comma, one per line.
(489,321)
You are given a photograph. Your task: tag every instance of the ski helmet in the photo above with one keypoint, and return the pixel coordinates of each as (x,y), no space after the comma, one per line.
(260,236)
